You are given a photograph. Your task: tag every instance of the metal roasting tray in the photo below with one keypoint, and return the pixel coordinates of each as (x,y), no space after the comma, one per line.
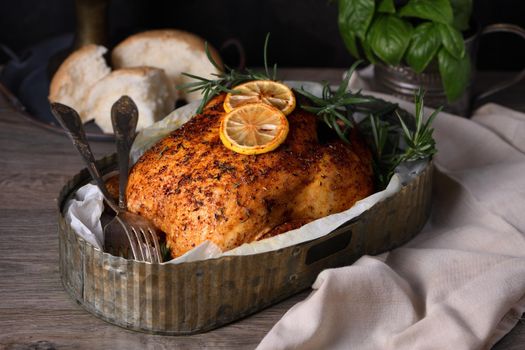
(199,296)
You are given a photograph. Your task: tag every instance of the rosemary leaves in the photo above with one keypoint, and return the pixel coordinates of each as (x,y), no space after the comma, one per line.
(383,125)
(228,79)
(335,108)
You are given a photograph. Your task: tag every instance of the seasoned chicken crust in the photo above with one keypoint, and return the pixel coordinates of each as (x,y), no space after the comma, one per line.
(195,189)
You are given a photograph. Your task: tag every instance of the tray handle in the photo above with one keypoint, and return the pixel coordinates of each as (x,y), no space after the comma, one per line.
(334,243)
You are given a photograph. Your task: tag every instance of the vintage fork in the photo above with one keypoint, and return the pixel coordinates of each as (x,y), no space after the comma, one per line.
(72,124)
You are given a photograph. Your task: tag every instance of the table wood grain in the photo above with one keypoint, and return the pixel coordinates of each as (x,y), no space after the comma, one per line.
(36,312)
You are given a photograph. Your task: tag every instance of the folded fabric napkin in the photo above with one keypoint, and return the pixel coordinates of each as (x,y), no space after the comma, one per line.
(460,284)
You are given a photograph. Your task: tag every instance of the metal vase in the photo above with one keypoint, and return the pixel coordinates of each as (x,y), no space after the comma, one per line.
(402,81)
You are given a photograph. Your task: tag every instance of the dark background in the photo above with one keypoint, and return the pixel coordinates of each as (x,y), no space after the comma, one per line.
(304,32)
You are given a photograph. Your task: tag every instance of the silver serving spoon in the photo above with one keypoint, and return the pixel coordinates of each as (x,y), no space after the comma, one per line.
(128,230)
(124,118)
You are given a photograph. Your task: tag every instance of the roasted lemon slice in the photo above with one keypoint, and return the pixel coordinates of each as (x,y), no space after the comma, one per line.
(253,129)
(264,91)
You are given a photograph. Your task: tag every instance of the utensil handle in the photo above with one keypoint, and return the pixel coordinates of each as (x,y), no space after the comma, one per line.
(124,117)
(72,124)
(502,28)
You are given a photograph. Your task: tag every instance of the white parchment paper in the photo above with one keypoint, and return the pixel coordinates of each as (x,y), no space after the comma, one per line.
(84,210)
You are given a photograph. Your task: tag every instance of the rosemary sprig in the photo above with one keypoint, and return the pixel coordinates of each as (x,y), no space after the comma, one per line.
(387,153)
(165,252)
(335,108)
(420,143)
(385,147)
(383,128)
(227,79)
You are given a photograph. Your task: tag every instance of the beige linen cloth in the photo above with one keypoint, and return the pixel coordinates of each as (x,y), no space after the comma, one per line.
(460,284)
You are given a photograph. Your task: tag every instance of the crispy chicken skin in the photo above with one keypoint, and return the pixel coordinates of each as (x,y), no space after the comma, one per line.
(195,189)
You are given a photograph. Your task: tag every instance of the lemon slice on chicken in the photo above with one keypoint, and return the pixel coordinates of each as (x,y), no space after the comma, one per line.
(253,128)
(261,91)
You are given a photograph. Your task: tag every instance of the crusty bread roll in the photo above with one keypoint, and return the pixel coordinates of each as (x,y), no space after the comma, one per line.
(148,87)
(76,75)
(175,51)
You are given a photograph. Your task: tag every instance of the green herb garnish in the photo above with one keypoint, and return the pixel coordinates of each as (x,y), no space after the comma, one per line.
(388,154)
(383,126)
(335,108)
(226,80)
(165,252)
(420,142)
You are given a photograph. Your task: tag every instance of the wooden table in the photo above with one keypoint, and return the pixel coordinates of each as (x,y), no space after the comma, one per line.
(36,312)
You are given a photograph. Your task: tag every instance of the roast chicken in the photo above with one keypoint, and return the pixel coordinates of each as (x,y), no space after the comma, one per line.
(195,189)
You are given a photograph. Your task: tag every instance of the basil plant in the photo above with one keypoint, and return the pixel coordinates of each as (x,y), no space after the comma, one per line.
(413,32)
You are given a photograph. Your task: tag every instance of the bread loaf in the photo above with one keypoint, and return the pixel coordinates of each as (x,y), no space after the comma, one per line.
(175,51)
(148,87)
(76,75)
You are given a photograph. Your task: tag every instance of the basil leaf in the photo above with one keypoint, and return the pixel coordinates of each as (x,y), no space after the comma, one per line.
(462,9)
(355,16)
(389,37)
(426,41)
(455,73)
(434,10)
(368,52)
(452,40)
(386,6)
